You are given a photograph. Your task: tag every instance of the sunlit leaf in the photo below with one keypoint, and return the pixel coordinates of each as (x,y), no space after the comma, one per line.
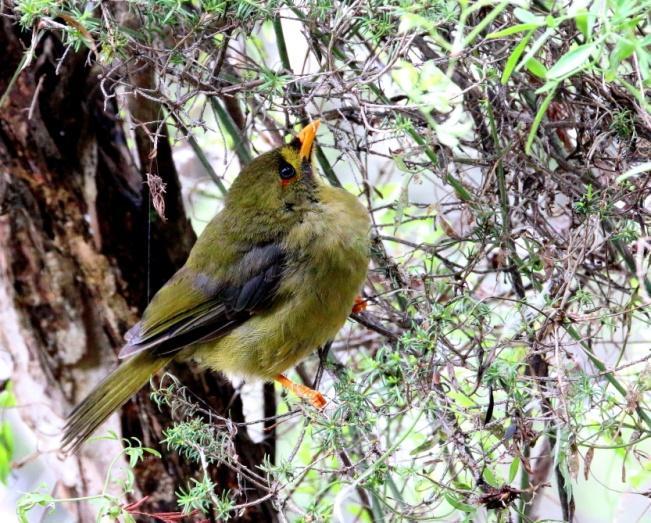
(512,30)
(539,116)
(584,23)
(528,17)
(7,437)
(536,68)
(459,505)
(512,61)
(638,169)
(513,468)
(571,61)
(623,50)
(490,478)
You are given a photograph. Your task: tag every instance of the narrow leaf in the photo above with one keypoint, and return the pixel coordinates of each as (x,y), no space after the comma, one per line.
(571,61)
(536,68)
(584,23)
(458,504)
(642,168)
(623,49)
(7,437)
(515,56)
(513,469)
(490,478)
(539,116)
(535,47)
(528,17)
(518,28)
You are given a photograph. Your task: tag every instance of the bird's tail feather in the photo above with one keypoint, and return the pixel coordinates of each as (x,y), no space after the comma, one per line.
(109,396)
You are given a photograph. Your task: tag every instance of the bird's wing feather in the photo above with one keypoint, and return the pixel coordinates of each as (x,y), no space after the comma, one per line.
(194,307)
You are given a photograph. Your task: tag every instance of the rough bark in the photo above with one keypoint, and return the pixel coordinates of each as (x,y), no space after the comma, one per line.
(77,251)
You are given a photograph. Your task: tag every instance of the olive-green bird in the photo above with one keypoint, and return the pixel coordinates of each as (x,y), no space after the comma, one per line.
(273,276)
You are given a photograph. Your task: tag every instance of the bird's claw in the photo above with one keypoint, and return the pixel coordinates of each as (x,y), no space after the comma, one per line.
(314,397)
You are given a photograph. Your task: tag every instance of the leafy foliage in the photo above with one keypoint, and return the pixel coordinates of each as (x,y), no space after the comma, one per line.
(7,400)
(108,504)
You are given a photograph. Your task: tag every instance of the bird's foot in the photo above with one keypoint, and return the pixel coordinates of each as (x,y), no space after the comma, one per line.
(360,305)
(315,398)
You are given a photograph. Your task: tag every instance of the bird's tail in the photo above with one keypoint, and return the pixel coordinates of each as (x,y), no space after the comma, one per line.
(109,396)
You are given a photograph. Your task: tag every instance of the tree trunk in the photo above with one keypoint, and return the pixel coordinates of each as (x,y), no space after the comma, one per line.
(80,255)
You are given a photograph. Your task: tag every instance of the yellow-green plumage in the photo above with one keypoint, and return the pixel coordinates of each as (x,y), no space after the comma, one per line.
(110,395)
(329,256)
(273,277)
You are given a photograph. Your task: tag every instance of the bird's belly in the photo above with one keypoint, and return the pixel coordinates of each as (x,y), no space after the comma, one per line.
(313,303)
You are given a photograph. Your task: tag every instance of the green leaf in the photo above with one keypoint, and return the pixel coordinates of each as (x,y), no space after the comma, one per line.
(539,116)
(401,165)
(536,68)
(154,452)
(485,22)
(28,501)
(7,437)
(426,445)
(623,49)
(513,469)
(490,478)
(548,86)
(571,61)
(535,47)
(584,23)
(5,468)
(128,481)
(551,21)
(461,192)
(528,17)
(7,397)
(135,454)
(518,28)
(459,505)
(515,56)
(403,201)
(642,168)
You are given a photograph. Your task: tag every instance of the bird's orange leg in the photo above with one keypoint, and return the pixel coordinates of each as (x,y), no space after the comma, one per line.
(313,396)
(360,305)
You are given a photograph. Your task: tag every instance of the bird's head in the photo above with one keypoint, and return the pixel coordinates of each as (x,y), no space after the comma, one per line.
(278,186)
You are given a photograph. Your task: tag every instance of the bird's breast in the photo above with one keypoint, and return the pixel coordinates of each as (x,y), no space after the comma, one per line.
(330,261)
(327,256)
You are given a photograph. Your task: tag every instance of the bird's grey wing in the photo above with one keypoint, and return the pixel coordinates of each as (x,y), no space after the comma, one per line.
(226,305)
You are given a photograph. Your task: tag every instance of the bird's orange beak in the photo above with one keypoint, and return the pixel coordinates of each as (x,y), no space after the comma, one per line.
(306,136)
